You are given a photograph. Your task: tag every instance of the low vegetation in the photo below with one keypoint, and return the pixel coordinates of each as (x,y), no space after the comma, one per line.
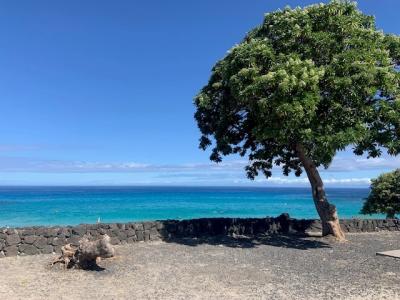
(384,197)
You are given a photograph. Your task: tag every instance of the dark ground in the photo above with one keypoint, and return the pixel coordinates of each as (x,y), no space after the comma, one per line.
(219,268)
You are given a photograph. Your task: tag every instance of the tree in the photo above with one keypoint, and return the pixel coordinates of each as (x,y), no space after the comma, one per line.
(300,87)
(384,197)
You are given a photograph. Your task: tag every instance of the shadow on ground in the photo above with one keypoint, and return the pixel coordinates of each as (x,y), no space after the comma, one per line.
(284,241)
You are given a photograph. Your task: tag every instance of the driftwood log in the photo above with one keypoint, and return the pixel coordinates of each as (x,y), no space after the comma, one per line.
(85,256)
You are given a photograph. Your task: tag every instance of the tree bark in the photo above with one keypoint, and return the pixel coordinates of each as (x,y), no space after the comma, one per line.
(86,254)
(326,211)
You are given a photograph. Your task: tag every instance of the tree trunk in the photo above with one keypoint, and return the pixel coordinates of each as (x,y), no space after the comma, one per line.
(326,211)
(86,254)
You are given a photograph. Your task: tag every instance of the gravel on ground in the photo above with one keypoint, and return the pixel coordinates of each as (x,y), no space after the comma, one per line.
(277,267)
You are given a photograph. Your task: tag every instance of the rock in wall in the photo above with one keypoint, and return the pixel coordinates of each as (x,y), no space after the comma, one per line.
(44,240)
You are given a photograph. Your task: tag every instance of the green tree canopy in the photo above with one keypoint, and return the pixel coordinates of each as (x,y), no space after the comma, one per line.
(303,85)
(322,76)
(384,197)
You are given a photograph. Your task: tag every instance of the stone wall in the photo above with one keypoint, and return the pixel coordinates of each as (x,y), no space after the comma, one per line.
(36,240)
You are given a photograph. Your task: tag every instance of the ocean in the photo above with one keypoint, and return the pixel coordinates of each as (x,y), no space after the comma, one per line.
(28,206)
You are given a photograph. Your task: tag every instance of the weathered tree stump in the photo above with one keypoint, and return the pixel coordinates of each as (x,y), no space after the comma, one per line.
(86,254)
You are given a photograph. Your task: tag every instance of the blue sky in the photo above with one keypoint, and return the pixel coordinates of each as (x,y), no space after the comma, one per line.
(100,92)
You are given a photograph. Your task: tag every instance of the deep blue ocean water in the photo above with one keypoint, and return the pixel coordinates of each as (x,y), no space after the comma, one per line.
(26,206)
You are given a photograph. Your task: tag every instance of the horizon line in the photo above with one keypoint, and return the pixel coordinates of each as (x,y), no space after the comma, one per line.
(181,186)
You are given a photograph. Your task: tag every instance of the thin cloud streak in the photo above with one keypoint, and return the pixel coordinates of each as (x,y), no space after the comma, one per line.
(225,173)
(21,164)
(304,180)
(359,164)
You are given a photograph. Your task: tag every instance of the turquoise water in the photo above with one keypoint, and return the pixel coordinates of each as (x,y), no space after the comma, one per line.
(26,206)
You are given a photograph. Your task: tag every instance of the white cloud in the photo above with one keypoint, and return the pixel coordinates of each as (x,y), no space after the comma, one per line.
(341,164)
(21,164)
(282,180)
(304,180)
(358,181)
(343,171)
